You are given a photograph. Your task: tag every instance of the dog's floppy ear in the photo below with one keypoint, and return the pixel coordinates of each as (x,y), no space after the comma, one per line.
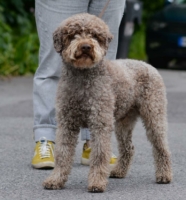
(57,38)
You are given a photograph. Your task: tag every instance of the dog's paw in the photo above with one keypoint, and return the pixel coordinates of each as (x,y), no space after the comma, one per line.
(53,184)
(97,188)
(117,174)
(163,179)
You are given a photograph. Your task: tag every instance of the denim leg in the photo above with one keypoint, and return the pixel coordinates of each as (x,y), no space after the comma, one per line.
(49,14)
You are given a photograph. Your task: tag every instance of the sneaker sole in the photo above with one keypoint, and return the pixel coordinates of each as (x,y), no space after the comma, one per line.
(43,165)
(85,161)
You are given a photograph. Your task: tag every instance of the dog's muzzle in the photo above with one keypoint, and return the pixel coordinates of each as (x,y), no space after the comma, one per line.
(85,51)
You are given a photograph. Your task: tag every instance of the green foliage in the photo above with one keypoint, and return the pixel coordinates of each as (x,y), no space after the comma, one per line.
(18,42)
(137,46)
(150,7)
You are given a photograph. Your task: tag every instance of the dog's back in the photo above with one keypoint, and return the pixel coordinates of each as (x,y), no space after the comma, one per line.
(131,81)
(132,69)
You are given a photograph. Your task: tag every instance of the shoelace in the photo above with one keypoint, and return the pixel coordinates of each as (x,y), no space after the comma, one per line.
(44,148)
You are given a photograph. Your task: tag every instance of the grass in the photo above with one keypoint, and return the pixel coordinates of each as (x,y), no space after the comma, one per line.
(137,46)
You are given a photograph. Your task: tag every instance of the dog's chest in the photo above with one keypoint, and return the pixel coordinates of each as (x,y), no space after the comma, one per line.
(84,93)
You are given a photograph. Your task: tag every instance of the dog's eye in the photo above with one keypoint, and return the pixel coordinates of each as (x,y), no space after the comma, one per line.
(71,37)
(95,37)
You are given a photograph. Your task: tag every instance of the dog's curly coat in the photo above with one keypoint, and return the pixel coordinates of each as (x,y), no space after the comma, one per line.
(104,96)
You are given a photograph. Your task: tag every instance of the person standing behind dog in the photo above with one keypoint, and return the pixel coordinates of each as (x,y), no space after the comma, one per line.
(49,14)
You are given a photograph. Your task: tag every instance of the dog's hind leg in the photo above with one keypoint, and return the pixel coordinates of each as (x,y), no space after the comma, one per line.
(123,131)
(153,113)
(66,140)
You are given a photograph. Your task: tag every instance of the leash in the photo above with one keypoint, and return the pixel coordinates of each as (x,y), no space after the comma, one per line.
(104,8)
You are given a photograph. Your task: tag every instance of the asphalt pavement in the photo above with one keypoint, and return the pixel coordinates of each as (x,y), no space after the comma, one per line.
(19,181)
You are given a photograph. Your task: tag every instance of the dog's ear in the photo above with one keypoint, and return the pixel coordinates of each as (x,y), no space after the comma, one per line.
(57,38)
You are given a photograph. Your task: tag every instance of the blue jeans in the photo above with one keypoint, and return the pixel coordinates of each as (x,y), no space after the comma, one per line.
(49,14)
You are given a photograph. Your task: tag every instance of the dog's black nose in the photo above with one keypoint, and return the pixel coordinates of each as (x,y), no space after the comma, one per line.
(85,47)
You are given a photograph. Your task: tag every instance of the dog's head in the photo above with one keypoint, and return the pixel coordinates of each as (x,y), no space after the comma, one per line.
(82,40)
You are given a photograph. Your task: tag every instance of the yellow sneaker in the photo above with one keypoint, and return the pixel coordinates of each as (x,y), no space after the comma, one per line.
(44,154)
(85,158)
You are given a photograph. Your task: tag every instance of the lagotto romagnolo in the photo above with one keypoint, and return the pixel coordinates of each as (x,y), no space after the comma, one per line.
(104,96)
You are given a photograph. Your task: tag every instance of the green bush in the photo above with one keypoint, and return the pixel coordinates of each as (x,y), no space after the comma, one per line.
(150,7)
(18,42)
(137,46)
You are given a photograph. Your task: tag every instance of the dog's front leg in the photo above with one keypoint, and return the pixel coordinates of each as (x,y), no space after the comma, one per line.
(100,154)
(66,140)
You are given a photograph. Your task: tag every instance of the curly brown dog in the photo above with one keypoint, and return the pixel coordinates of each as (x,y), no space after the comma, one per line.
(104,96)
